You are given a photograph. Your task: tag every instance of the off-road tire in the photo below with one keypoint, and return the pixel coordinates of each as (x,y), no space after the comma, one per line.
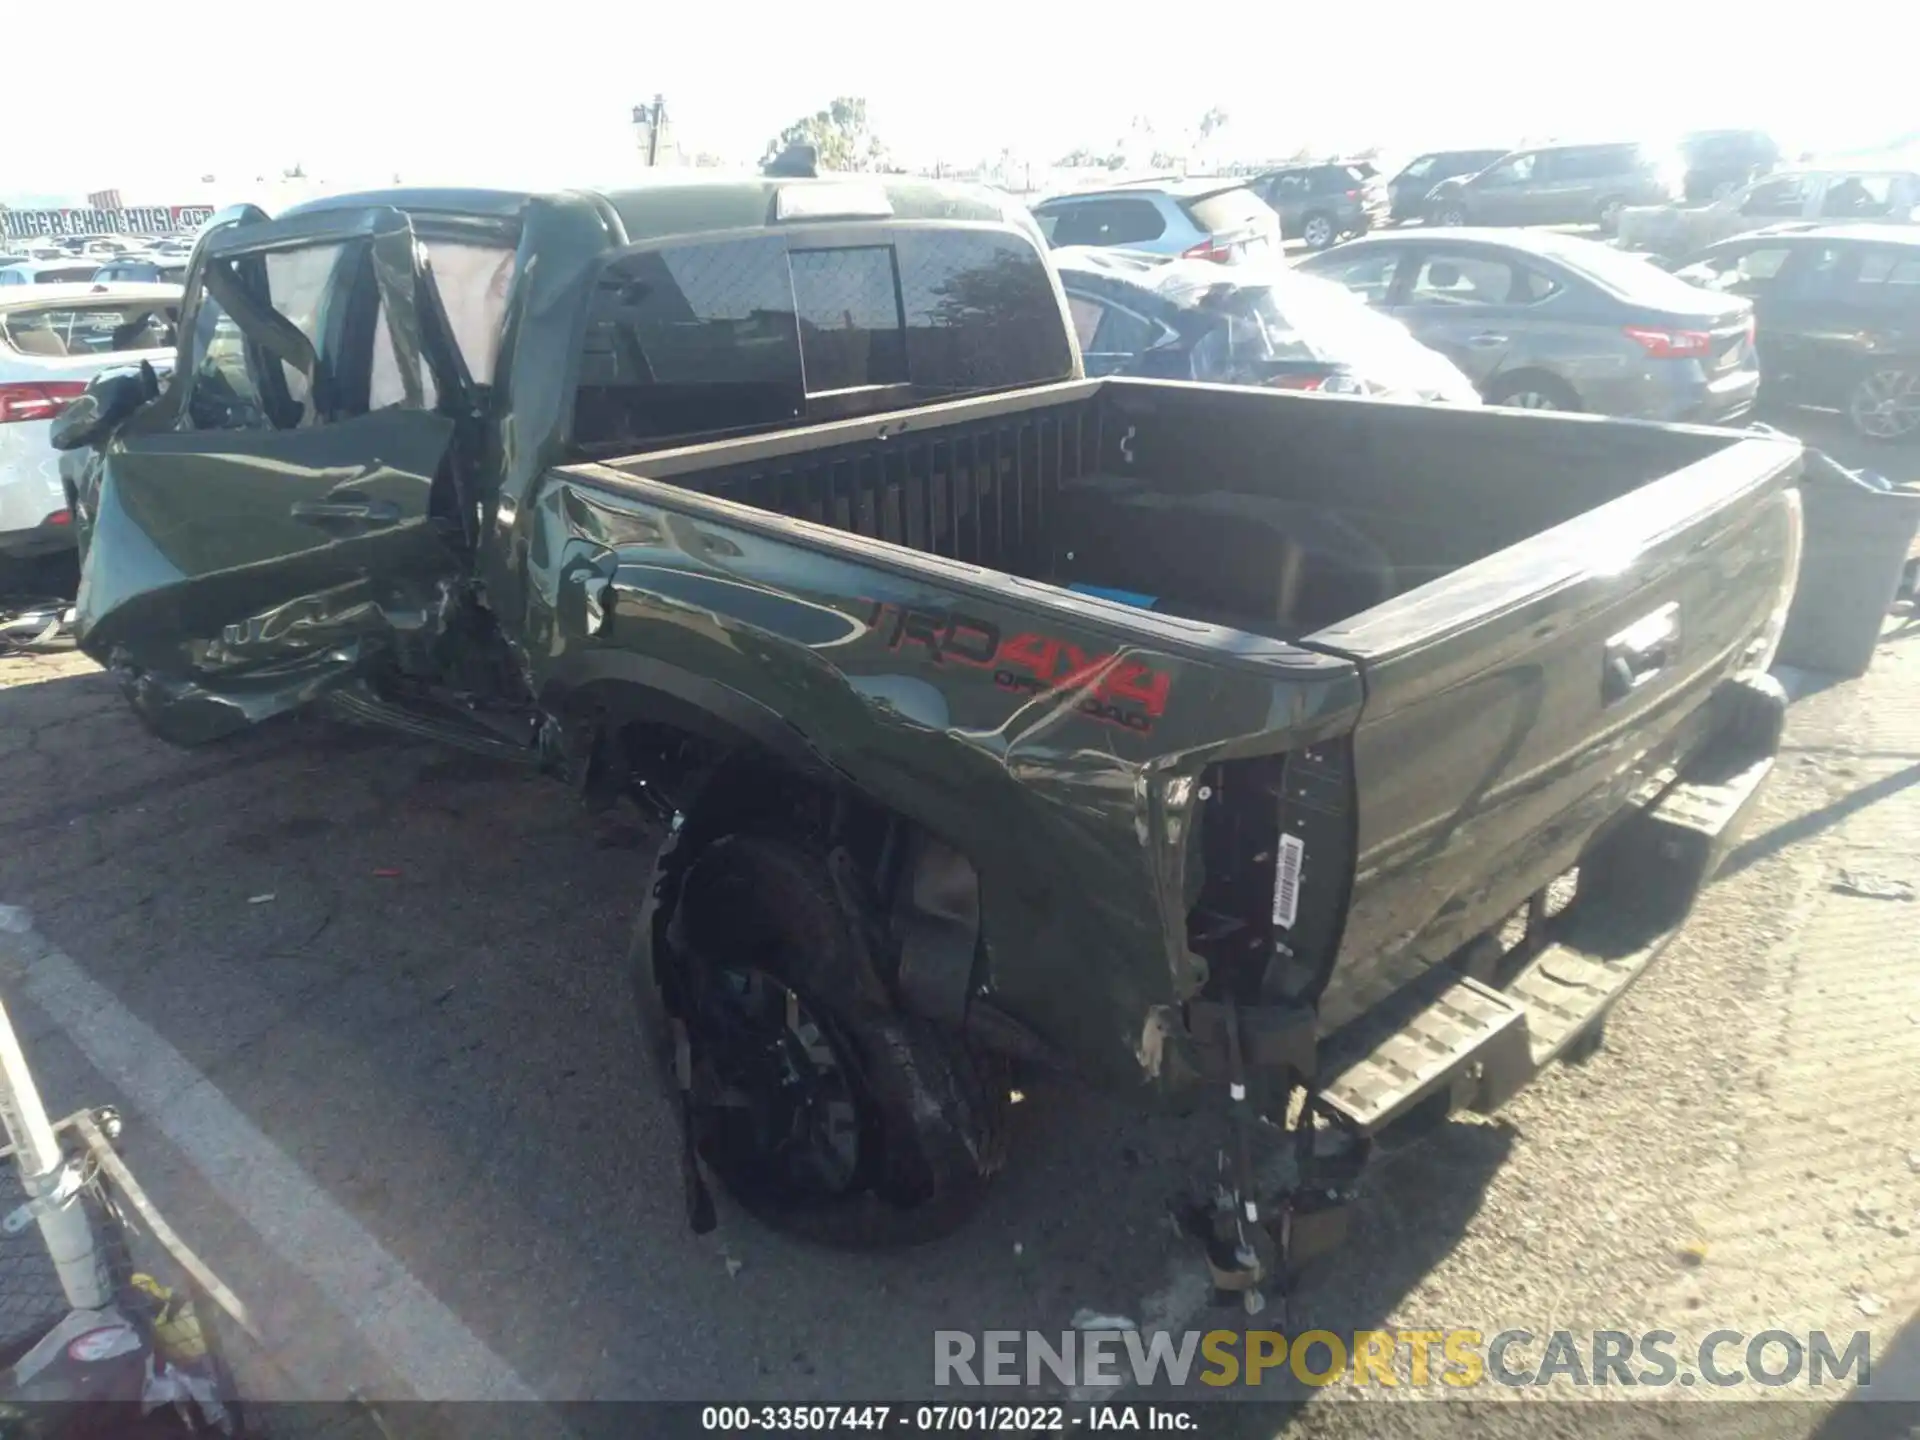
(933,1114)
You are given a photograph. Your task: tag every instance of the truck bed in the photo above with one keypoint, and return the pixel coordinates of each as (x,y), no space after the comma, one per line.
(1465,642)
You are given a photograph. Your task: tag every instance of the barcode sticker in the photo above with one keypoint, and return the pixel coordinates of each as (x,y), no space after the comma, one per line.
(1286,881)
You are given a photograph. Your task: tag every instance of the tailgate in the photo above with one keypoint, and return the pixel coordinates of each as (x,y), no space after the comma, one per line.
(1515,705)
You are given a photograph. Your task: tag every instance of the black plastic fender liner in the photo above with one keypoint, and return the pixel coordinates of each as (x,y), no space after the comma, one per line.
(936,914)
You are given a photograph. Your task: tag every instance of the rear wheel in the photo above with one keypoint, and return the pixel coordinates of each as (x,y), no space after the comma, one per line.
(822,1110)
(1450,213)
(1534,392)
(1318,230)
(1885,403)
(1609,214)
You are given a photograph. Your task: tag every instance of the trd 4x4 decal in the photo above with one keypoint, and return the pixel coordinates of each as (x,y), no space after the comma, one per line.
(1117,690)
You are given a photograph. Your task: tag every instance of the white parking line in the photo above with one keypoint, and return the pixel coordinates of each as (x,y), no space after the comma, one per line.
(421,1340)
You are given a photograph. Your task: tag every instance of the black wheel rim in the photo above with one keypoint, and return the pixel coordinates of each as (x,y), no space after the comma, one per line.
(779,1096)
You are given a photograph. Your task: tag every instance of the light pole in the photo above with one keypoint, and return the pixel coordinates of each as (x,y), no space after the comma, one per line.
(650,120)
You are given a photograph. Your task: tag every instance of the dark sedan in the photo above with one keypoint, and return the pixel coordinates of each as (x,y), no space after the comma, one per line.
(1408,190)
(1251,325)
(1555,322)
(1839,317)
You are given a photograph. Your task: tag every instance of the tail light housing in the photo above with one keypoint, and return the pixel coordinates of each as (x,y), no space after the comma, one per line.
(1210,248)
(1671,344)
(24,400)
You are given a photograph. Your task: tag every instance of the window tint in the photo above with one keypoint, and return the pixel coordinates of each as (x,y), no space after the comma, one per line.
(981,311)
(847,303)
(1121,332)
(1461,280)
(1783,197)
(700,338)
(65,274)
(1368,274)
(1516,171)
(1858,197)
(1891,267)
(688,339)
(1420,168)
(113,328)
(1108,222)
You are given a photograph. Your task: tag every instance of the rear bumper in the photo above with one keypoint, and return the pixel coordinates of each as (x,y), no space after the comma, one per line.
(1479,1028)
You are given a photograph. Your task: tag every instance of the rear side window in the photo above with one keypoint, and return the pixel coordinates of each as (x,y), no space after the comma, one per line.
(65,274)
(85,330)
(1892,268)
(1228,211)
(1858,197)
(1592,162)
(742,334)
(1463,280)
(1121,220)
(1368,273)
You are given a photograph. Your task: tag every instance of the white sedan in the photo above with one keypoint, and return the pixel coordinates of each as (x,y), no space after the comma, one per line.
(53,340)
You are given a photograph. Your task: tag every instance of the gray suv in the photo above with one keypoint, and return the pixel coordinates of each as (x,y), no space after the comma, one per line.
(1320,203)
(1560,185)
(1210,219)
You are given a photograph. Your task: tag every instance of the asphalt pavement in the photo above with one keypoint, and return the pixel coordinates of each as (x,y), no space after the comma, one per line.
(364,1005)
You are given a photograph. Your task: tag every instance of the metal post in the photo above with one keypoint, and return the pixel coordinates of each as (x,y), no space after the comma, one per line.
(653,130)
(63,1221)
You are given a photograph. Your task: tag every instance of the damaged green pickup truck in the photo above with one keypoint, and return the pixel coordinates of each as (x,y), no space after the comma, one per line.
(1225,743)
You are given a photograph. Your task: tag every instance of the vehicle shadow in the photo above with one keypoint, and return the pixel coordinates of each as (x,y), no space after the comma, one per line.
(1804,827)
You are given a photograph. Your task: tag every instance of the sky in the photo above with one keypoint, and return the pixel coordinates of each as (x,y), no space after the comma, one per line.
(358,91)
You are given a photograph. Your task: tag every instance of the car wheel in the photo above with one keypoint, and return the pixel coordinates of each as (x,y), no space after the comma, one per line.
(1534,392)
(1609,214)
(1318,232)
(1885,404)
(1723,189)
(824,1111)
(1451,213)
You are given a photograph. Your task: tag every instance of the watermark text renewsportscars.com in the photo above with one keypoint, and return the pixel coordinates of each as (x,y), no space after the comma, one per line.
(1450,1359)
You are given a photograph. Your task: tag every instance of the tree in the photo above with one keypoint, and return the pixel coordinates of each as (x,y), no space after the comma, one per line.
(839,135)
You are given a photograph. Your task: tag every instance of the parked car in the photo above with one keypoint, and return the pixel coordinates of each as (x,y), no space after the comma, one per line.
(145,269)
(1407,191)
(1839,318)
(1210,219)
(49,272)
(53,340)
(1250,325)
(1557,322)
(1559,185)
(1319,204)
(1178,736)
(1721,161)
(1809,195)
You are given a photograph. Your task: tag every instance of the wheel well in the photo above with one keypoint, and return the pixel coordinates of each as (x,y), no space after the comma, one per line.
(913,897)
(1532,378)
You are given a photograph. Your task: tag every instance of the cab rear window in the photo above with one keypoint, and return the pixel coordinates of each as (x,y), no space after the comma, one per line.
(715,337)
